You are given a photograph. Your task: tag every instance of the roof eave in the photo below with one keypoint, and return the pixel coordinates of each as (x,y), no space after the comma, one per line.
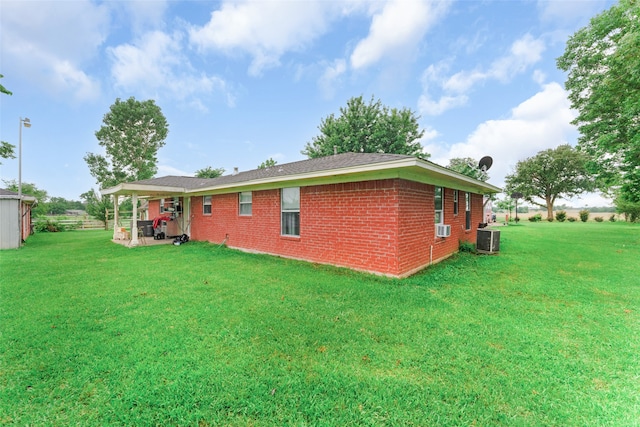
(128,188)
(390,169)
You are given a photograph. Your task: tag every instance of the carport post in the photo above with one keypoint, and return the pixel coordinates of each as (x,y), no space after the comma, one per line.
(134,220)
(115,216)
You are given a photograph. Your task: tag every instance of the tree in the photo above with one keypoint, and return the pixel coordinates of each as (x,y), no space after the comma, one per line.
(269,163)
(97,205)
(4,89)
(554,173)
(506,203)
(209,172)
(7,151)
(367,128)
(604,87)
(132,133)
(468,166)
(30,189)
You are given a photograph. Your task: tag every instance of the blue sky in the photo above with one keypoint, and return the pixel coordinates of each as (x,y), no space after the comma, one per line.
(244,81)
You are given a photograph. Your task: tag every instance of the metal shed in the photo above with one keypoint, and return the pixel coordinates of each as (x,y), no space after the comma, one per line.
(10,208)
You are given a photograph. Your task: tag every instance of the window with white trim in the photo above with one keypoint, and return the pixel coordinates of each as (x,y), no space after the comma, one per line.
(206,205)
(290,211)
(467,199)
(245,202)
(455,202)
(439,203)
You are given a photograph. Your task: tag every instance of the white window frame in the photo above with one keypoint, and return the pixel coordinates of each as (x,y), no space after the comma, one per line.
(206,204)
(290,224)
(455,203)
(245,203)
(467,217)
(439,213)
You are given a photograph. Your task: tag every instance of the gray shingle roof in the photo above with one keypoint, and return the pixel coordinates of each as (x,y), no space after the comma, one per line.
(338,161)
(323,166)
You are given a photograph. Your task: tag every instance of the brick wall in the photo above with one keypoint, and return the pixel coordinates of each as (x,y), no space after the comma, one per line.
(383,226)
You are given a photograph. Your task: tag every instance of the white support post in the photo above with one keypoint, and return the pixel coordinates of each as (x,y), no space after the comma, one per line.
(187,215)
(134,220)
(115,217)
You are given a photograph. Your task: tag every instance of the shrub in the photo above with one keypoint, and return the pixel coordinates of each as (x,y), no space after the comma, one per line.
(467,247)
(48,225)
(535,218)
(550,218)
(584,215)
(561,216)
(612,218)
(598,219)
(571,219)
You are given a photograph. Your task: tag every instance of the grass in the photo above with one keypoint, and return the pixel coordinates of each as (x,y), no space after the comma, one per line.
(546,333)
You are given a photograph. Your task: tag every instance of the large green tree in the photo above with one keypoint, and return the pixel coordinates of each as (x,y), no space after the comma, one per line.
(367,128)
(468,166)
(551,174)
(603,65)
(209,172)
(269,163)
(132,133)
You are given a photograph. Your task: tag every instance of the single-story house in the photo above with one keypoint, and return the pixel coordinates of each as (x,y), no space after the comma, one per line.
(11,209)
(382,213)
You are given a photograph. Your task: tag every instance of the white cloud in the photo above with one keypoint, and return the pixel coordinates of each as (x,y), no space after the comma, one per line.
(565,12)
(144,15)
(157,66)
(48,43)
(265,30)
(428,106)
(523,53)
(540,122)
(396,29)
(331,77)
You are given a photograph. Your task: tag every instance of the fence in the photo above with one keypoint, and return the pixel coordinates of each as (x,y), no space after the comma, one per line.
(81,224)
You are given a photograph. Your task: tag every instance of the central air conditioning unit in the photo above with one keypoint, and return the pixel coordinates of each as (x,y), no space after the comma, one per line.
(488,241)
(443,230)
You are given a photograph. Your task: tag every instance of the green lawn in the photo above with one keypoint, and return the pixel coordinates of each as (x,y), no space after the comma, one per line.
(546,333)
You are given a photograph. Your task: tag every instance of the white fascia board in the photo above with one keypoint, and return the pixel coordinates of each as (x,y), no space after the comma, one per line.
(382,170)
(131,188)
(455,176)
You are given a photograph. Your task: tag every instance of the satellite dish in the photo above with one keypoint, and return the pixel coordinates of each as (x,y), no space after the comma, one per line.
(485,163)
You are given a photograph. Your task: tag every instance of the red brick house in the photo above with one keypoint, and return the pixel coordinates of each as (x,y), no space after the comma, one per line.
(381,213)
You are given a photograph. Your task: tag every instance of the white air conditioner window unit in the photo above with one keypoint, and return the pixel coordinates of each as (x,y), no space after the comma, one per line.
(443,230)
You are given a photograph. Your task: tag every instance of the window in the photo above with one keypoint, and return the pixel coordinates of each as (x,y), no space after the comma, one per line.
(455,202)
(161,205)
(439,203)
(206,205)
(245,203)
(467,198)
(290,211)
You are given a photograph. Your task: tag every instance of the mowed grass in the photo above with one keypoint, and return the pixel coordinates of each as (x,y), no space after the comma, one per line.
(546,333)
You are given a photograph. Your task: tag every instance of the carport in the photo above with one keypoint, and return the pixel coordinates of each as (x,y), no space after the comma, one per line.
(139,190)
